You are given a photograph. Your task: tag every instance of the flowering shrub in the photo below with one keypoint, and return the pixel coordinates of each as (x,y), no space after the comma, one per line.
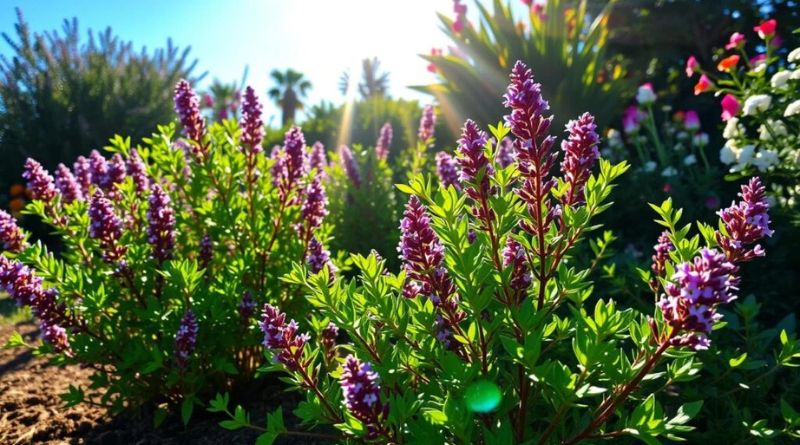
(167,249)
(760,107)
(491,332)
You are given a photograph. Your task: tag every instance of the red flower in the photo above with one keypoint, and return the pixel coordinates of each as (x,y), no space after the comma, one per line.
(766,29)
(703,85)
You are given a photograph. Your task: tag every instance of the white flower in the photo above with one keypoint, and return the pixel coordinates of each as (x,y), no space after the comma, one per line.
(756,104)
(772,127)
(792,109)
(795,74)
(700,139)
(760,67)
(650,166)
(794,156)
(745,154)
(780,79)
(765,159)
(645,95)
(727,154)
(794,56)
(614,138)
(669,171)
(690,159)
(732,128)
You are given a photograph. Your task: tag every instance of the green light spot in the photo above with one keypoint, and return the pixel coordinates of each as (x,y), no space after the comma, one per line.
(483,396)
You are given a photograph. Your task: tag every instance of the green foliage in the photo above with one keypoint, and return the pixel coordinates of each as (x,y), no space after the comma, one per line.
(61,95)
(565,46)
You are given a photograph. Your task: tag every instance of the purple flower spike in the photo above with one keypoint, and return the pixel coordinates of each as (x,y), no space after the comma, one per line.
(187,105)
(350,165)
(746,223)
(82,169)
(55,335)
(315,205)
(514,254)
(362,394)
(317,257)
(524,98)
(99,167)
(138,171)
(475,166)
(695,290)
(317,159)
(282,338)
(247,307)
(447,170)
(160,224)
(115,174)
(12,237)
(186,338)
(252,125)
(580,154)
(384,142)
(106,227)
(426,124)
(206,254)
(40,183)
(68,185)
(293,161)
(660,258)
(328,340)
(505,153)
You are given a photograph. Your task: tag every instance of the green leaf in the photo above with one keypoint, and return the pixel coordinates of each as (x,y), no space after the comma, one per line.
(187,407)
(735,362)
(275,421)
(266,438)
(15,341)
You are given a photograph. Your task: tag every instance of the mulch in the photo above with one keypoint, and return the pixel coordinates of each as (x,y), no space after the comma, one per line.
(31,411)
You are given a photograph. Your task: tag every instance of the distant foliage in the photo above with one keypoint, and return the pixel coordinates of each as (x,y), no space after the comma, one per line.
(62,95)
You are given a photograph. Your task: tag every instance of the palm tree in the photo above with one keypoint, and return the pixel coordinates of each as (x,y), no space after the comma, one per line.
(373,82)
(291,86)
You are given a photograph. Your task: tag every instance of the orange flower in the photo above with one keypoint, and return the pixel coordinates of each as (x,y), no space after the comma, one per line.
(16,190)
(727,63)
(16,204)
(702,85)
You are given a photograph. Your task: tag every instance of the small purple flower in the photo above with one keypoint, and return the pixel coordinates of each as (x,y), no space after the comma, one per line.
(82,169)
(160,224)
(11,236)
(186,338)
(317,257)
(278,166)
(115,174)
(350,165)
(580,154)
(106,227)
(426,124)
(317,159)
(55,335)
(252,125)
(384,142)
(247,307)
(68,185)
(524,98)
(362,394)
(315,205)
(40,183)
(187,106)
(746,223)
(447,170)
(505,153)
(471,236)
(138,172)
(328,340)
(206,254)
(514,255)
(692,295)
(282,338)
(475,166)
(659,267)
(294,160)
(99,167)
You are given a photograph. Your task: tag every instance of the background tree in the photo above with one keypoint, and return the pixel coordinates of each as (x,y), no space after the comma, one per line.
(374,83)
(290,87)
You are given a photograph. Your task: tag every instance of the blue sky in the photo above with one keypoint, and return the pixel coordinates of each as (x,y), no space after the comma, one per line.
(319,38)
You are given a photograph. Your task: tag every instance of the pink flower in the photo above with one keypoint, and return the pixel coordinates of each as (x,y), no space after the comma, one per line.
(691,121)
(458,25)
(730,106)
(702,85)
(766,29)
(758,59)
(691,66)
(736,41)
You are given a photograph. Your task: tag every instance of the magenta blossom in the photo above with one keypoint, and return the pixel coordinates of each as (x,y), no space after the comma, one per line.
(730,107)
(736,41)
(691,66)
(691,121)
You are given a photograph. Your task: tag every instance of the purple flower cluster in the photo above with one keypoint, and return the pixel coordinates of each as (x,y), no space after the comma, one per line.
(580,154)
(475,166)
(138,172)
(447,170)
(206,253)
(384,142)
(662,249)
(692,295)
(533,146)
(505,153)
(115,174)
(83,174)
(67,185)
(40,183)
(186,338)
(746,222)
(350,165)
(252,125)
(282,338)
(317,257)
(26,288)
(315,205)
(514,255)
(362,394)
(106,227)
(328,340)
(426,124)
(247,307)
(99,168)
(187,105)
(160,224)
(317,159)
(291,161)
(11,236)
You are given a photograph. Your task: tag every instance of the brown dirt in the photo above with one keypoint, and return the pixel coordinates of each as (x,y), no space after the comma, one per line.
(31,411)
